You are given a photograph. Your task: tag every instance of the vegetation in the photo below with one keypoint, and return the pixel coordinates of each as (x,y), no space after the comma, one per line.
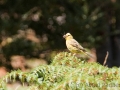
(69,73)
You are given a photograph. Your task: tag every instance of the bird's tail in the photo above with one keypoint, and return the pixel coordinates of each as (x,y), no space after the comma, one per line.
(88,54)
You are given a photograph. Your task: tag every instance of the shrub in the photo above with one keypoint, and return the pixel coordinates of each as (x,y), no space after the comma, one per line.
(67,72)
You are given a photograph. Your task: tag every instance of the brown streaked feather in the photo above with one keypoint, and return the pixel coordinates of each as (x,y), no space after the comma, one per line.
(75,44)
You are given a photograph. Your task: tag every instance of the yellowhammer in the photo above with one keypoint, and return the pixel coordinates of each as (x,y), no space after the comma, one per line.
(73,46)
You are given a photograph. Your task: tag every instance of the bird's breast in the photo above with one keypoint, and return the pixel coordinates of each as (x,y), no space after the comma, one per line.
(71,48)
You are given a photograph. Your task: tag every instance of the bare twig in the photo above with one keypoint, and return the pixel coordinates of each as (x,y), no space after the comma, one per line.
(106,57)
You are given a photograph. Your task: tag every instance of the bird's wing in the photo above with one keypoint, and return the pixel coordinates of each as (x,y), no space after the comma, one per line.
(77,47)
(74,43)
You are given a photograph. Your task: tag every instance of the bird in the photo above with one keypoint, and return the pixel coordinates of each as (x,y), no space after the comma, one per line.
(73,46)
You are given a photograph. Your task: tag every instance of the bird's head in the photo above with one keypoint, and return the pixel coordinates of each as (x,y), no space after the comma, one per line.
(68,36)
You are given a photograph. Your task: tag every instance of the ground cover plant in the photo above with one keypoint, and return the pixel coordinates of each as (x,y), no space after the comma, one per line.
(67,72)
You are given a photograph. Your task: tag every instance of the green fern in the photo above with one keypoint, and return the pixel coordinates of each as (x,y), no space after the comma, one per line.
(67,72)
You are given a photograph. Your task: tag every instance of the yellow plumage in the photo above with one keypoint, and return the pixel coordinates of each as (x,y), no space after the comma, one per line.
(73,46)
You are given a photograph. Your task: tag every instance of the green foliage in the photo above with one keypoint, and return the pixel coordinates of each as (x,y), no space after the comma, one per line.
(19,46)
(75,75)
(67,59)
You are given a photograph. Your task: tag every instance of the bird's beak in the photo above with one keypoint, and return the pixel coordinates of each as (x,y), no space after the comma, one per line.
(64,36)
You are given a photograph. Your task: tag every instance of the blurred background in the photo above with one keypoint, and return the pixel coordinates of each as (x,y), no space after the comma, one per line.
(31,31)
